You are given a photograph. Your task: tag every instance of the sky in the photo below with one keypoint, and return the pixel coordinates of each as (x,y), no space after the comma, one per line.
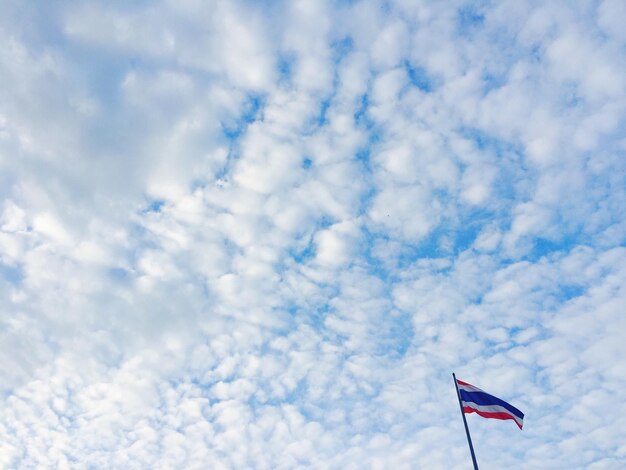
(259,234)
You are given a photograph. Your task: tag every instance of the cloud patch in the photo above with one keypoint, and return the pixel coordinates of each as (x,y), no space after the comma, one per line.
(264,235)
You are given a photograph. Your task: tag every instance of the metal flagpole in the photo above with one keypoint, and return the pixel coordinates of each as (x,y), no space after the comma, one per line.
(469,439)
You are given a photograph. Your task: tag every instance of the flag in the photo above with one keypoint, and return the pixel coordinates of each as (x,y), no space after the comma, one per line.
(474,400)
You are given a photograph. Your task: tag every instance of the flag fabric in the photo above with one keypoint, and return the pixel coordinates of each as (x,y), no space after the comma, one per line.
(474,400)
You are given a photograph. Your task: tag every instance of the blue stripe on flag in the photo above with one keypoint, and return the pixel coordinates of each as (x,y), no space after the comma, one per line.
(482,398)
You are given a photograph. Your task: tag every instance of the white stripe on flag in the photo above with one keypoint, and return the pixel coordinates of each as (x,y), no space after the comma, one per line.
(469,388)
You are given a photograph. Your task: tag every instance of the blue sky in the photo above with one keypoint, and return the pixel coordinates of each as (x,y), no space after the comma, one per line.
(244,234)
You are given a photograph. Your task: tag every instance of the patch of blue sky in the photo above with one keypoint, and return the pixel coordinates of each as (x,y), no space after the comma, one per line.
(346,3)
(513,170)
(428,248)
(513,332)
(153,205)
(285,65)
(386,7)
(360,114)
(569,292)
(291,308)
(303,255)
(543,247)
(325,222)
(13,274)
(103,71)
(42,31)
(374,135)
(364,154)
(447,240)
(569,96)
(363,157)
(469,18)
(342,48)
(142,239)
(203,181)
(307,253)
(235,129)
(492,346)
(294,396)
(365,201)
(492,81)
(252,110)
(376,266)
(484,141)
(321,119)
(469,228)
(397,340)
(315,315)
(418,77)
(118,274)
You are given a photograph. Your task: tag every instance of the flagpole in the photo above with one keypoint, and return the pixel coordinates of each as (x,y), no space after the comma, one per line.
(469,439)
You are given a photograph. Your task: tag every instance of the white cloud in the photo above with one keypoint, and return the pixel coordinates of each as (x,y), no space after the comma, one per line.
(263,235)
(407,211)
(338,244)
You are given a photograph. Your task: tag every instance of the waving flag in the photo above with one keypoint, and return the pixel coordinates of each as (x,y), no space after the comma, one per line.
(474,400)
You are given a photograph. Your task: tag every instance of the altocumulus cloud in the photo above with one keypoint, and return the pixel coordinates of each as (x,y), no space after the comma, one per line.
(239,234)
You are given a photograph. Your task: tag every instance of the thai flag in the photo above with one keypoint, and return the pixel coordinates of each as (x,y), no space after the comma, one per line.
(474,400)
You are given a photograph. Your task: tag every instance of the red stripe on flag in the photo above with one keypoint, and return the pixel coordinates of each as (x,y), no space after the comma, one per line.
(485,414)
(465,383)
